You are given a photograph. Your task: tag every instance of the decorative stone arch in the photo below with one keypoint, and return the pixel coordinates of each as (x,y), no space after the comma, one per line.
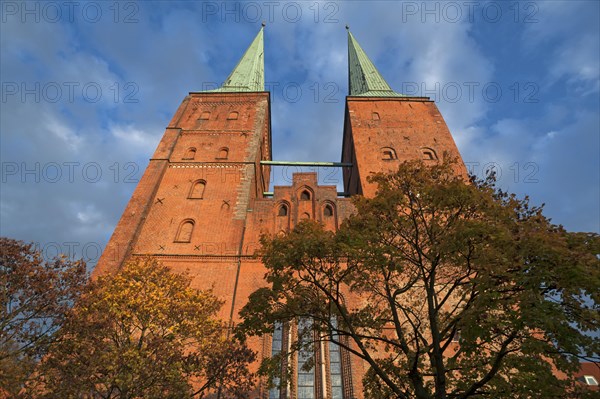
(197,189)
(190,153)
(428,154)
(185,230)
(388,154)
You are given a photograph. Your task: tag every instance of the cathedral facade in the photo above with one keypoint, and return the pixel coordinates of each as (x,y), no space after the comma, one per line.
(204,201)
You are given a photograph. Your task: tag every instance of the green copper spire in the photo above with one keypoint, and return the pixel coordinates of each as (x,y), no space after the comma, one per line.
(249,73)
(363,78)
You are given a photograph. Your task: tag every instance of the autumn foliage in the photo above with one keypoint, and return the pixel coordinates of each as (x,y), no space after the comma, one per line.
(35,295)
(144,333)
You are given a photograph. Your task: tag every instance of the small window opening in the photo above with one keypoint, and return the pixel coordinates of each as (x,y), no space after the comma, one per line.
(190,153)
(205,115)
(233,115)
(375,116)
(283,211)
(305,196)
(590,380)
(328,211)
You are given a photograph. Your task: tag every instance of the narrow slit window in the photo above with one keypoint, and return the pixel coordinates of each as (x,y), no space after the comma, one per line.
(276,348)
(335,363)
(306,378)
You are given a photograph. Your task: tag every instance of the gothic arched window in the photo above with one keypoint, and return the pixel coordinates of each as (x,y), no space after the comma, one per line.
(190,153)
(184,233)
(305,196)
(197,189)
(283,211)
(328,211)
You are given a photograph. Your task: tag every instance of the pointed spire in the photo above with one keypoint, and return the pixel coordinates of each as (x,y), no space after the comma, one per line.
(249,73)
(363,78)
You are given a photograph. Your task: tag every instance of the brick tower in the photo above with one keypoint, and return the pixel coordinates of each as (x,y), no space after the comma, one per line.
(202,202)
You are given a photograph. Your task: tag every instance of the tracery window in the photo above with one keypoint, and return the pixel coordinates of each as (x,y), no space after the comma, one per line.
(276,348)
(306,378)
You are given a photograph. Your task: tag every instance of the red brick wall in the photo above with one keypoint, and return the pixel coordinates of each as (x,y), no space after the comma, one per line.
(232,213)
(408,126)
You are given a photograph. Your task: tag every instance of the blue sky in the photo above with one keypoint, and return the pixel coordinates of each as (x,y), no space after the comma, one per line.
(88,88)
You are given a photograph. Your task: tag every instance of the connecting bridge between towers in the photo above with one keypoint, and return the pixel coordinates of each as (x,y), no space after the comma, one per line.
(308,164)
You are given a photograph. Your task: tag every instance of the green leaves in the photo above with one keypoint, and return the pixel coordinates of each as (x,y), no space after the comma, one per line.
(430,258)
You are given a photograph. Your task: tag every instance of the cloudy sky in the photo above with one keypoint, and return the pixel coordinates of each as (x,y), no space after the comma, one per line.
(88,88)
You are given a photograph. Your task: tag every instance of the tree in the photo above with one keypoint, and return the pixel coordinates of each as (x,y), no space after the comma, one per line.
(446,289)
(35,295)
(144,332)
